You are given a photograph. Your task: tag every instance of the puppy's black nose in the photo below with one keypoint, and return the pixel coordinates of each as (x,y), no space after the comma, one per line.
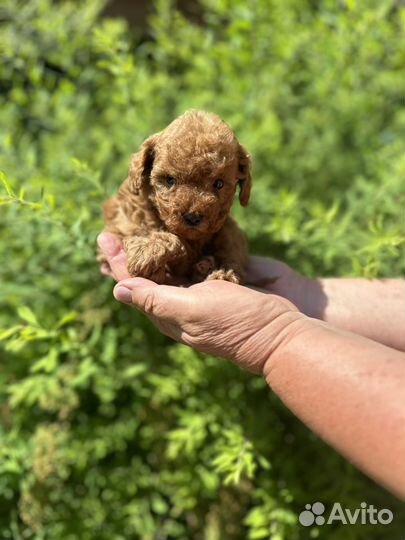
(193,219)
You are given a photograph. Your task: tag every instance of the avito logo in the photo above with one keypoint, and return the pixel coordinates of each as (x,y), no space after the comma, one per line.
(366,515)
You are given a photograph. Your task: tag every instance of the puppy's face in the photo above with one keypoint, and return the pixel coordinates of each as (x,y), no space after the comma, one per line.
(193,198)
(191,171)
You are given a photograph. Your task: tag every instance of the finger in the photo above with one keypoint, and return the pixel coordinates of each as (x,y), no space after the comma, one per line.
(119,266)
(109,243)
(164,302)
(106,270)
(167,327)
(113,251)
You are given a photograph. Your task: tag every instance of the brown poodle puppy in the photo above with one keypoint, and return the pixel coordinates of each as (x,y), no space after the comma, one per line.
(172,211)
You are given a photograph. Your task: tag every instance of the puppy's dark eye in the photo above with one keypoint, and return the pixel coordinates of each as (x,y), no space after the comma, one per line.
(218,184)
(169,181)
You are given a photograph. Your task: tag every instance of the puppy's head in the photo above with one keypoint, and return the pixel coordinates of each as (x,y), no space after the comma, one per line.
(190,171)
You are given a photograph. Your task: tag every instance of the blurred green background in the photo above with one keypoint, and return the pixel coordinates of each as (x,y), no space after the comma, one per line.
(110,431)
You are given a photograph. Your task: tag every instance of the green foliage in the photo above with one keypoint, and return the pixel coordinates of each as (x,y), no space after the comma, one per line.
(108,430)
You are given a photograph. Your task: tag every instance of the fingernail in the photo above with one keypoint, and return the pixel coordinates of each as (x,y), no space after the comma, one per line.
(109,244)
(122,294)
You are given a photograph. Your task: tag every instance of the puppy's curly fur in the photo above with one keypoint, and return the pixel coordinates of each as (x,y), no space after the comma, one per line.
(172,211)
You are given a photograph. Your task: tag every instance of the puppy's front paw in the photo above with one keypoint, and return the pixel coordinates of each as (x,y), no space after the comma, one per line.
(145,258)
(202,268)
(225,275)
(158,276)
(146,269)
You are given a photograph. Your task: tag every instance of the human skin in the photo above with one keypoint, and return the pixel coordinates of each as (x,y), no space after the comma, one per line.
(347,388)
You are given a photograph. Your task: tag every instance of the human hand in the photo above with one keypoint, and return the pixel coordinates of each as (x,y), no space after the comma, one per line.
(271,275)
(215,317)
(263,273)
(341,385)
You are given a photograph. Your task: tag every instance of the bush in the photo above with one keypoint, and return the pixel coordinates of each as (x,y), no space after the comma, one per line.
(110,431)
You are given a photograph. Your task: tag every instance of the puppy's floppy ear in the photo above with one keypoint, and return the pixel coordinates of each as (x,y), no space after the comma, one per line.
(245,178)
(142,163)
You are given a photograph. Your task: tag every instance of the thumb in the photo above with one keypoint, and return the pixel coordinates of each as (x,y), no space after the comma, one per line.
(161,301)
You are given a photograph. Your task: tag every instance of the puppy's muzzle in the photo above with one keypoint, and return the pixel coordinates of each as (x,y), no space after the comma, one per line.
(193,219)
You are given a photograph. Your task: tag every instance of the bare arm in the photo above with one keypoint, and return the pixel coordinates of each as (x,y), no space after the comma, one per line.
(350,391)
(374,308)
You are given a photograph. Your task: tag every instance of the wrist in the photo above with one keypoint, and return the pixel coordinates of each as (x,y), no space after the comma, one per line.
(257,352)
(298,332)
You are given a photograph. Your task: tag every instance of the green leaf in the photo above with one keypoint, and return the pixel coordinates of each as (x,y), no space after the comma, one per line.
(263,532)
(67,319)
(6,185)
(27,315)
(47,363)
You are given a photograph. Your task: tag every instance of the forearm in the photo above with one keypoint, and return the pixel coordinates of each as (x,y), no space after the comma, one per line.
(371,308)
(350,391)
